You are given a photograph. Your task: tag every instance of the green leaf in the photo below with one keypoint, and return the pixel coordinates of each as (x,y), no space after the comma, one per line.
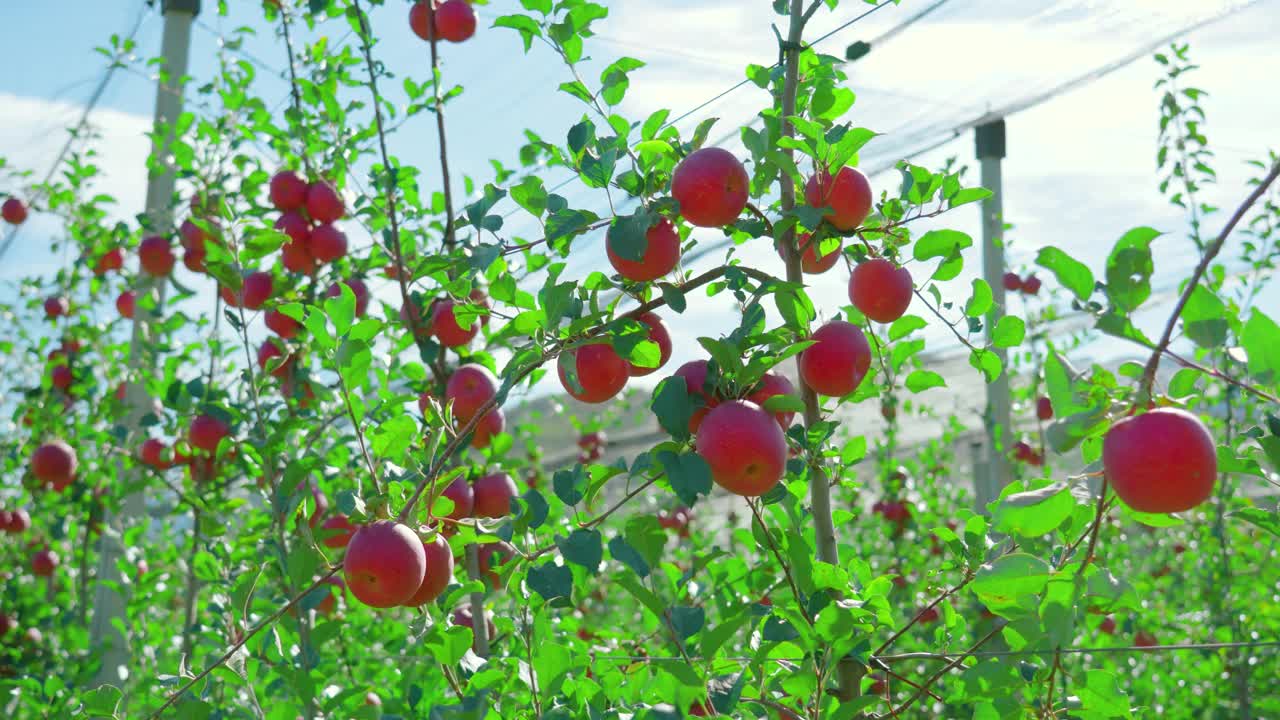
(946,244)
(1034,512)
(1004,583)
(795,307)
(673,406)
(1102,696)
(1129,269)
(391,439)
(921,380)
(551,581)
(1071,273)
(980,301)
(687,621)
(906,325)
(987,362)
(1009,332)
(1268,521)
(1261,342)
(1204,319)
(622,551)
(526,26)
(577,90)
(689,474)
(102,701)
(583,547)
(626,237)
(570,485)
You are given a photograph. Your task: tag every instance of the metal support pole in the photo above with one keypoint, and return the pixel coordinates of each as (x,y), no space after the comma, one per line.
(990,140)
(108,603)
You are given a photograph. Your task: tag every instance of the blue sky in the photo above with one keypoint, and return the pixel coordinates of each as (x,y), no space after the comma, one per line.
(1079,172)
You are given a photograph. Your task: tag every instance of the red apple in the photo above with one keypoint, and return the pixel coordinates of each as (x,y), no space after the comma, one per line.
(155,254)
(1144,639)
(837,361)
(193,236)
(295,226)
(880,290)
(281,324)
(385,564)
(1162,461)
(44,562)
(657,333)
(336,531)
(711,186)
(1031,285)
(928,616)
(54,463)
(848,194)
(593,440)
(462,616)
(194,259)
(7,624)
(770,385)
(324,205)
(420,19)
(491,424)
(1012,282)
(295,257)
(492,557)
(19,522)
(112,259)
(206,431)
(463,497)
(744,446)
(439,572)
(268,351)
(61,377)
(1107,626)
(154,453)
(810,263)
(327,243)
(288,191)
(470,387)
(493,495)
(56,307)
(694,373)
(126,303)
(593,373)
(358,288)
(258,287)
(659,257)
(444,325)
(13,211)
(1044,408)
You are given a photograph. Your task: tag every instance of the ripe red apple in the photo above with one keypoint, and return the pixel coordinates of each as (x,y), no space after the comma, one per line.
(593,373)
(463,497)
(1044,408)
(694,373)
(880,290)
(44,563)
(455,20)
(928,616)
(770,385)
(193,236)
(838,360)
(336,531)
(154,453)
(1162,461)
(711,186)
(420,19)
(330,601)
(288,191)
(206,431)
(1023,452)
(358,288)
(1031,285)
(324,205)
(295,226)
(194,259)
(491,557)
(7,624)
(19,522)
(491,424)
(13,211)
(439,572)
(385,564)
(848,194)
(462,616)
(1144,639)
(470,387)
(1012,282)
(657,333)
(155,254)
(126,303)
(593,440)
(281,324)
(444,325)
(258,287)
(112,259)
(268,351)
(56,307)
(660,255)
(54,463)
(493,495)
(327,243)
(1107,626)
(61,377)
(295,257)
(810,263)
(744,446)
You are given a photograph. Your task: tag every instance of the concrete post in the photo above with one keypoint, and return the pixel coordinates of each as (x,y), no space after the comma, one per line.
(990,141)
